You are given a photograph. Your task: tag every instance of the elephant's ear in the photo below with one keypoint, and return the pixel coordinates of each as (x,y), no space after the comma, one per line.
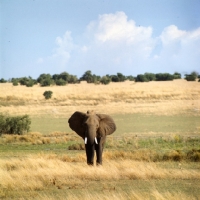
(76,123)
(106,125)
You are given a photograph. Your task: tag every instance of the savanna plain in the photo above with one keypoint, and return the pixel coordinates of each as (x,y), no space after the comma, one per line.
(154,153)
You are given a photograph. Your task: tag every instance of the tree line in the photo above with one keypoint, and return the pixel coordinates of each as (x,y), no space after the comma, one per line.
(65,78)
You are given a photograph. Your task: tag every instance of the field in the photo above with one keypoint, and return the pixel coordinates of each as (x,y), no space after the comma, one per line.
(154,154)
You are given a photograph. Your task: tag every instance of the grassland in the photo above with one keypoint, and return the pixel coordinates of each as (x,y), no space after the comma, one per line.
(154,154)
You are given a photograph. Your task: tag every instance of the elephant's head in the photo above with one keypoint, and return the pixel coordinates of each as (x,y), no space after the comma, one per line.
(91,126)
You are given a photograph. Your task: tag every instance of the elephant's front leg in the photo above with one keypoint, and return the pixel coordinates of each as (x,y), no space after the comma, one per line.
(90,153)
(99,149)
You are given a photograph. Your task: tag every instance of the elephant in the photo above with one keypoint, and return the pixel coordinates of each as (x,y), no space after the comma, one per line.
(93,128)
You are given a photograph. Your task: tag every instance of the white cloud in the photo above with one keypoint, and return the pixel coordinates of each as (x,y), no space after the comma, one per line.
(113,43)
(171,33)
(121,39)
(64,47)
(116,27)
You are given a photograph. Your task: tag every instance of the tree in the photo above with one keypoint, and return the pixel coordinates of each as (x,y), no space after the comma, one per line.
(60,82)
(73,79)
(105,80)
(2,80)
(177,75)
(118,78)
(130,78)
(190,77)
(164,77)
(141,78)
(64,78)
(195,74)
(150,76)
(87,76)
(121,77)
(45,80)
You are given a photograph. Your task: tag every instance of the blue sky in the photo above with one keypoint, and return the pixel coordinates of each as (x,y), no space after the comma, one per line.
(104,36)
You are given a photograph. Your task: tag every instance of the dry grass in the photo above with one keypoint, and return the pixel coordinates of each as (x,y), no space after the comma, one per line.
(38,138)
(42,172)
(131,97)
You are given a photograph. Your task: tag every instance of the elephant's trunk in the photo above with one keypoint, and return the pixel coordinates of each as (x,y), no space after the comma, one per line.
(90,136)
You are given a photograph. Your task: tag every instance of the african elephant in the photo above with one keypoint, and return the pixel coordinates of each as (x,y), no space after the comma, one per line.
(93,128)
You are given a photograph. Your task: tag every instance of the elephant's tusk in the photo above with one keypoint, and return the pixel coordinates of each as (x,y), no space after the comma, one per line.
(95,139)
(85,140)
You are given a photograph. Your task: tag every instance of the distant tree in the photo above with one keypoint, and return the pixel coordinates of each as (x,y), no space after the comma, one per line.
(105,80)
(164,77)
(2,80)
(121,77)
(30,83)
(195,74)
(15,83)
(73,79)
(118,78)
(141,78)
(60,82)
(190,77)
(130,78)
(64,78)
(45,80)
(150,76)
(87,76)
(177,75)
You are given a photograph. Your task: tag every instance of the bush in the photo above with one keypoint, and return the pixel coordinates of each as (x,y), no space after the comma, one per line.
(45,80)
(14,125)
(60,82)
(190,77)
(89,77)
(15,83)
(177,75)
(47,94)
(2,80)
(105,80)
(164,77)
(141,78)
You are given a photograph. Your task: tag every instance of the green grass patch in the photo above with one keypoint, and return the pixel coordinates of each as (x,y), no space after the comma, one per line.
(143,124)
(183,124)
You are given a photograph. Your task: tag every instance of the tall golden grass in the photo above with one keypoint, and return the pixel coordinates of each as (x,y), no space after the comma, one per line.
(131,97)
(44,171)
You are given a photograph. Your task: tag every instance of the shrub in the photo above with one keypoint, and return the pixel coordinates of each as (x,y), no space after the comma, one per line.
(190,77)
(164,77)
(60,82)
(105,80)
(141,78)
(14,125)
(89,77)
(30,83)
(45,80)
(47,94)
(2,80)
(15,83)
(177,75)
